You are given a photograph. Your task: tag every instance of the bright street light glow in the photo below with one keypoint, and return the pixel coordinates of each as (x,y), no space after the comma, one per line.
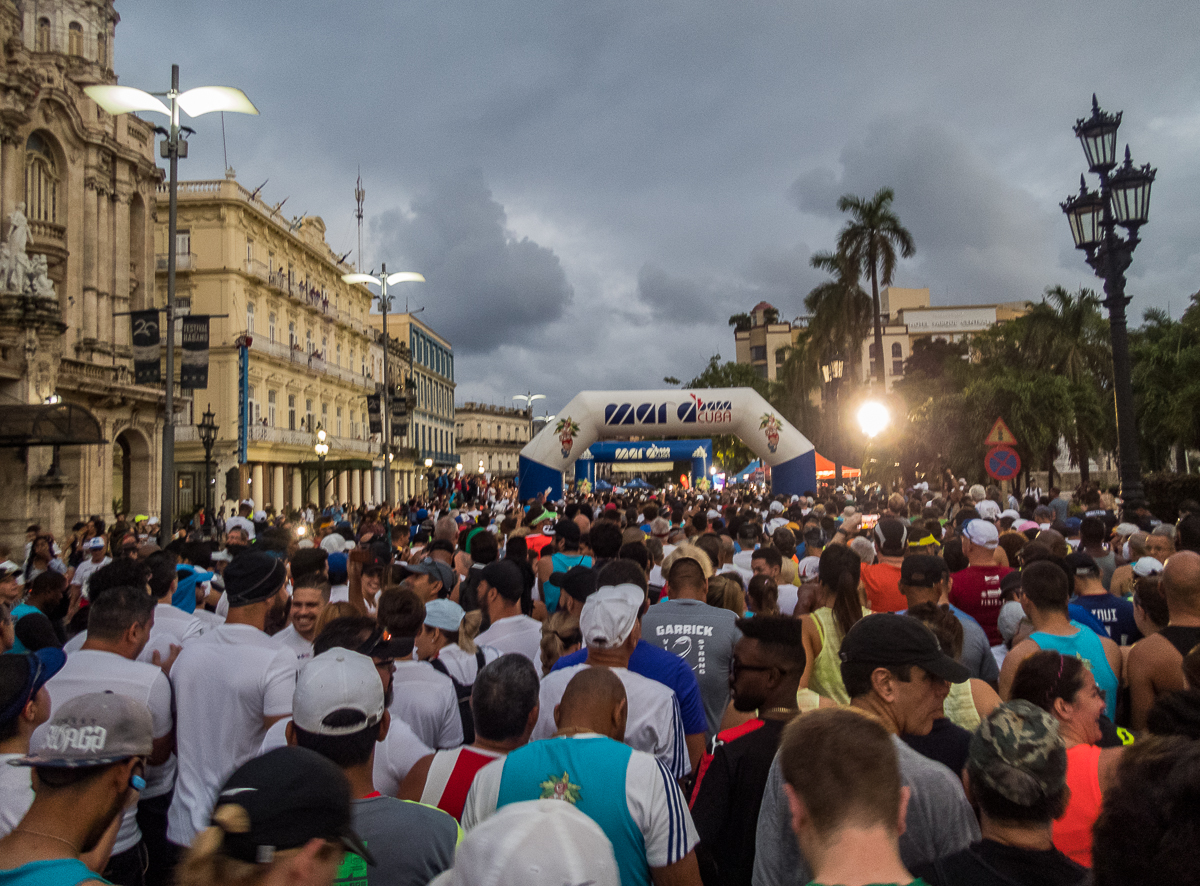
(873,418)
(405,277)
(360,278)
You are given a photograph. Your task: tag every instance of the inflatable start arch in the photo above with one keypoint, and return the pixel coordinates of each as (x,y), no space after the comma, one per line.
(596,415)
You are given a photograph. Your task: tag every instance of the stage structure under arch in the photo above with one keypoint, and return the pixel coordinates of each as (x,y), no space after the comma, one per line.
(596,415)
(698,452)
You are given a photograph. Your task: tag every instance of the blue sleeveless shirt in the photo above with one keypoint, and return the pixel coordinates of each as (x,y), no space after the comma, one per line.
(1085,644)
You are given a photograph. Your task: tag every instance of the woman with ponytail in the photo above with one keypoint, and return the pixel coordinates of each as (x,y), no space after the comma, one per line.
(838,608)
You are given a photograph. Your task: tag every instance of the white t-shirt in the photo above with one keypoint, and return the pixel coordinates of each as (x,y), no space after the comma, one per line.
(654,725)
(226,682)
(394,756)
(464,666)
(208,619)
(90,670)
(516,633)
(655,804)
(788,597)
(16,793)
(291,638)
(171,626)
(83,572)
(425,700)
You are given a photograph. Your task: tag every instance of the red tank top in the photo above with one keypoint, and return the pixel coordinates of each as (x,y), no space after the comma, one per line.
(1073,832)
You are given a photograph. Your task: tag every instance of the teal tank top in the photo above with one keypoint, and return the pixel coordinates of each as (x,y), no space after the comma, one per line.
(589,773)
(1085,644)
(18,613)
(56,872)
(560,562)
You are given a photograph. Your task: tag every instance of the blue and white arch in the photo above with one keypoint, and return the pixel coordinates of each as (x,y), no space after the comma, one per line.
(606,415)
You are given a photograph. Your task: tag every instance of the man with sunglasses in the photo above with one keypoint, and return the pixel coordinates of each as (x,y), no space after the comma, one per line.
(764,676)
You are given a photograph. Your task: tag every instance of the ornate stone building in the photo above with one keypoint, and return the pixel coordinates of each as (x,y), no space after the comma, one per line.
(77,191)
(490,438)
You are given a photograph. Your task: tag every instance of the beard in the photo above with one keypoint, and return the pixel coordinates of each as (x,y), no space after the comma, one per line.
(276,619)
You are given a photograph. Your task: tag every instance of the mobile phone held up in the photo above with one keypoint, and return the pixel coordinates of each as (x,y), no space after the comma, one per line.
(869,521)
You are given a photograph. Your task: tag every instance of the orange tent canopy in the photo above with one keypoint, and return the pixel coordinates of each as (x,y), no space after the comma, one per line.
(825,469)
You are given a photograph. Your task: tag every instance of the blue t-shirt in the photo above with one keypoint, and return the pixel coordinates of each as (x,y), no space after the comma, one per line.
(1115,613)
(55,872)
(1085,618)
(589,773)
(665,667)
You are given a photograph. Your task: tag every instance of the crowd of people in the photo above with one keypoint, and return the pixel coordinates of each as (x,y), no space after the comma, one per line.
(729,688)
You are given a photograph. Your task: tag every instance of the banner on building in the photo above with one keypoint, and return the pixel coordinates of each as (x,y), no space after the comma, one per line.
(374,414)
(193,365)
(145,335)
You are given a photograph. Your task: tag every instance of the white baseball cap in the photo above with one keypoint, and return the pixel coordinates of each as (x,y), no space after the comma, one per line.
(337,680)
(982,533)
(1147,566)
(94,544)
(1010,513)
(988,509)
(259,516)
(444,614)
(534,843)
(609,615)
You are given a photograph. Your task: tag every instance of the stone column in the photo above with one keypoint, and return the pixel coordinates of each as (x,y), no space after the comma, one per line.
(123,249)
(356,487)
(257,492)
(277,498)
(90,237)
(297,489)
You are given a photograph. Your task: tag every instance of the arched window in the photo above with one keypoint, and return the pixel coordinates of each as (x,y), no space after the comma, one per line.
(897,351)
(42,42)
(41,181)
(75,39)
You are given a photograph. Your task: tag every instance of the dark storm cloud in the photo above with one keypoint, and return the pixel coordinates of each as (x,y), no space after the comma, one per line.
(485,286)
(660,160)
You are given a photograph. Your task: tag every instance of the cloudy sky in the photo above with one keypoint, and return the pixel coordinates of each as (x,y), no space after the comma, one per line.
(593,188)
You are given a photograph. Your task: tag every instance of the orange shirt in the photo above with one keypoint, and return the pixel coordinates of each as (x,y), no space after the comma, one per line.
(882,583)
(1072,833)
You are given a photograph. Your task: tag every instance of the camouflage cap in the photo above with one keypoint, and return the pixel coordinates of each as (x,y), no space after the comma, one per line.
(1018,752)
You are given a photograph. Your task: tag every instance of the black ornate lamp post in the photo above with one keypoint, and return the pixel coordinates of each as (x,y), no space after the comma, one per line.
(208,437)
(1123,200)
(322,450)
(831,369)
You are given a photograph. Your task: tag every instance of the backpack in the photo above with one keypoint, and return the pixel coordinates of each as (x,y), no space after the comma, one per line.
(463,694)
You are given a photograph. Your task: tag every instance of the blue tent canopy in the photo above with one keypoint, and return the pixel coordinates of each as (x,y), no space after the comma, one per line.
(638,483)
(744,474)
(603,486)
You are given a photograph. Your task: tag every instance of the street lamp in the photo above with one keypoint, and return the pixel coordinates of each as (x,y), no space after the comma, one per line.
(1123,199)
(529,398)
(873,417)
(429,476)
(832,369)
(201,100)
(481,465)
(383,280)
(322,450)
(208,437)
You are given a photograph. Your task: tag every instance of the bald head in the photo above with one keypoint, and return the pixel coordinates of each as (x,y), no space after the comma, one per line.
(1181,583)
(1054,540)
(594,701)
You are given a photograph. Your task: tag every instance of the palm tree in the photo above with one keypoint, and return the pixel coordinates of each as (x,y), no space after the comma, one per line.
(870,240)
(741,322)
(840,309)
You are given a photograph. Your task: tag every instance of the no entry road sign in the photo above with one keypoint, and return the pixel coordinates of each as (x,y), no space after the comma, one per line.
(1003,463)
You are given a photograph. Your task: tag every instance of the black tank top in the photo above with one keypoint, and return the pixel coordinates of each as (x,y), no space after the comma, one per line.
(1182,638)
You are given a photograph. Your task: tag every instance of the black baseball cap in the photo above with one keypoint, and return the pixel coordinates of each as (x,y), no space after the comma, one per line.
(505,576)
(892,536)
(886,639)
(578,581)
(922,570)
(23,674)
(253,577)
(1081,563)
(289,796)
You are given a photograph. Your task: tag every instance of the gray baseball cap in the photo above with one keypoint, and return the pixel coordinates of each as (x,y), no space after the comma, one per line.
(92,730)
(435,569)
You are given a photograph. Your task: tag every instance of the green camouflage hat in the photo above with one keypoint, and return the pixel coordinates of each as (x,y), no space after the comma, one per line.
(1018,752)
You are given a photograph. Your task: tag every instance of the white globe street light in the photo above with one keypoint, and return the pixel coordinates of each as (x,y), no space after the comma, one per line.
(873,417)
(202,100)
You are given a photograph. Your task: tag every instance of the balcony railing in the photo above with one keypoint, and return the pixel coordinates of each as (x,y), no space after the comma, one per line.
(313,362)
(47,231)
(283,436)
(184,261)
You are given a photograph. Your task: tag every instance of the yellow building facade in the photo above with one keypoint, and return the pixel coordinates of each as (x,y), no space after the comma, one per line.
(490,438)
(311,354)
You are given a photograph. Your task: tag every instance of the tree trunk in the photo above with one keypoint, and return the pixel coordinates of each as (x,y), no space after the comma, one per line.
(878,324)
(1180,458)
(1085,470)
